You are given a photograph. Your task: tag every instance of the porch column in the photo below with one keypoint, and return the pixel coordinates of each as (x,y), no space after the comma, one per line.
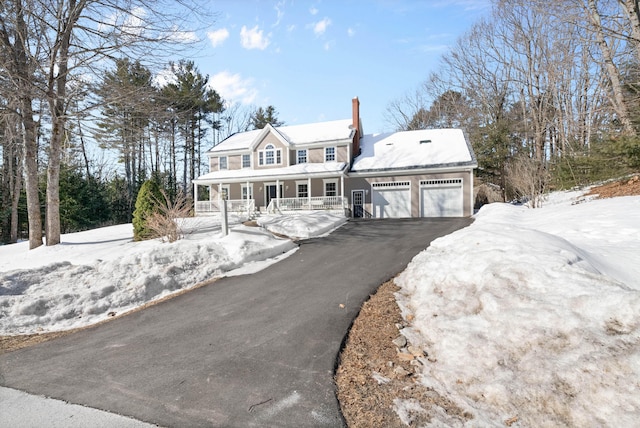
(278,193)
(195,198)
(309,191)
(247,202)
(342,191)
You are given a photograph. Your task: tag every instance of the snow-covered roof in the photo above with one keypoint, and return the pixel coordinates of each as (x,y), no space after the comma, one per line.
(296,135)
(427,148)
(302,169)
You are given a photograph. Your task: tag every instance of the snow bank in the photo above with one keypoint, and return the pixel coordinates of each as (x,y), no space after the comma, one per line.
(94,273)
(533,314)
(303,225)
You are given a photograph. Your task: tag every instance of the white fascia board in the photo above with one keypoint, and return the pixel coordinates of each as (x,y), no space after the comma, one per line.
(325,143)
(411,171)
(229,152)
(257,178)
(266,131)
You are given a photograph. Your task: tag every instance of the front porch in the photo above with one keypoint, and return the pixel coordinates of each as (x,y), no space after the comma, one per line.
(276,205)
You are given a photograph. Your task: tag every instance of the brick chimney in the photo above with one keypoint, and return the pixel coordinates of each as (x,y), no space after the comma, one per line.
(357,125)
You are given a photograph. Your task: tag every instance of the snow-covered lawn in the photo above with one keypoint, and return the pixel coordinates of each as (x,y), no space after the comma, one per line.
(532,316)
(93,274)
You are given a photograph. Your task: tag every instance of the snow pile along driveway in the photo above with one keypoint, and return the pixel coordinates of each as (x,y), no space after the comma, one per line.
(532,316)
(94,274)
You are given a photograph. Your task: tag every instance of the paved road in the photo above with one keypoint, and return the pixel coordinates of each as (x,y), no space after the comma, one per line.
(255,350)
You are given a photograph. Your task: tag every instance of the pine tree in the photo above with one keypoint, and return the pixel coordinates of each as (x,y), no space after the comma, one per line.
(147,202)
(263,117)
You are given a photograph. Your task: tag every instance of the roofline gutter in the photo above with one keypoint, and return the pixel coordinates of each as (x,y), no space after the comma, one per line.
(291,146)
(411,170)
(255,178)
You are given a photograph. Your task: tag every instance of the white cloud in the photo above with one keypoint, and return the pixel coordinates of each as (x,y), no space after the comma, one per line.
(351,32)
(320,27)
(291,27)
(125,22)
(253,38)
(218,37)
(328,45)
(280,13)
(182,36)
(313,11)
(233,88)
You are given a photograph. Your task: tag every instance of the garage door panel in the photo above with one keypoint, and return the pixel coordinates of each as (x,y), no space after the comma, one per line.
(441,199)
(391,203)
(391,200)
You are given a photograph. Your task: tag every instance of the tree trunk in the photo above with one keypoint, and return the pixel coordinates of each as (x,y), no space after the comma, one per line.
(632,10)
(31,175)
(56,97)
(611,69)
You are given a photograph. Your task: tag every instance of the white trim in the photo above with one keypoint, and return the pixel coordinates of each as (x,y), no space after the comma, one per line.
(262,155)
(353,205)
(250,190)
(306,155)
(304,183)
(416,171)
(242,161)
(324,185)
(335,154)
(265,185)
(391,185)
(442,182)
(222,188)
(226,163)
(395,188)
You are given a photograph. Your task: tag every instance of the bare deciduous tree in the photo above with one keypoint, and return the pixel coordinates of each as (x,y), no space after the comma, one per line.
(51,47)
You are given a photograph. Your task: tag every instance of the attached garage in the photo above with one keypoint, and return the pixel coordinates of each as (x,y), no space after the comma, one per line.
(441,198)
(391,199)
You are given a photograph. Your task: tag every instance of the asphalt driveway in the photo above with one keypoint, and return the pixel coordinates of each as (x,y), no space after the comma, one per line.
(255,350)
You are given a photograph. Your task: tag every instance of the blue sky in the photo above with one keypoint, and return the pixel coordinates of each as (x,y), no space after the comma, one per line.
(309,59)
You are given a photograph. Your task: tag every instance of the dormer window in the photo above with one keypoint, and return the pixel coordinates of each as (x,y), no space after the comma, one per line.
(222,163)
(329,154)
(270,156)
(302,156)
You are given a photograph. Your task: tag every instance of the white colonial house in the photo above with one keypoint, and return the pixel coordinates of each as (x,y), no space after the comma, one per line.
(333,166)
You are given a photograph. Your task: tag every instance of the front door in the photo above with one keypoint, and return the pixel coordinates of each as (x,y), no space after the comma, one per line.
(270,192)
(357,196)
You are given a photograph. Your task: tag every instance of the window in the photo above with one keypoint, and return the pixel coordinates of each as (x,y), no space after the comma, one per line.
(330,188)
(302,156)
(247,192)
(246,161)
(302,190)
(270,156)
(329,154)
(222,162)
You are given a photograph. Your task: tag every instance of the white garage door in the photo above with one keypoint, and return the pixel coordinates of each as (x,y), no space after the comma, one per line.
(391,199)
(441,198)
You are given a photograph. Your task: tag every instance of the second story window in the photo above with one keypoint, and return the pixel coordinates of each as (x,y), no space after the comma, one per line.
(246,161)
(302,156)
(222,162)
(329,154)
(270,156)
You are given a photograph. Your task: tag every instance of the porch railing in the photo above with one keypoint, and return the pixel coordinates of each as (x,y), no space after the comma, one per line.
(238,206)
(307,204)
